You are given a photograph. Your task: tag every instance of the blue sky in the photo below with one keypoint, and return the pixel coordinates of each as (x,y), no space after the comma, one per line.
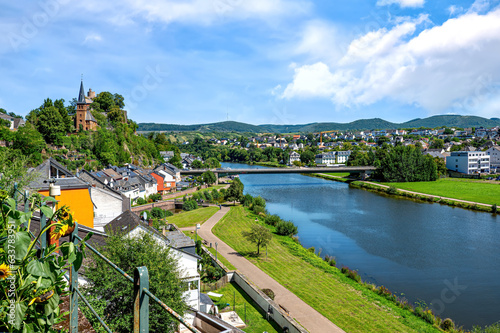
(256,61)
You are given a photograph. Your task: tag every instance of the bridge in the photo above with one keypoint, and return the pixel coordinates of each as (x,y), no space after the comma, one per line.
(364,170)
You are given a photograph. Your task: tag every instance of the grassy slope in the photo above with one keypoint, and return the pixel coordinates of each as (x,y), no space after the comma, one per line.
(190,219)
(223,260)
(464,189)
(256,318)
(349,305)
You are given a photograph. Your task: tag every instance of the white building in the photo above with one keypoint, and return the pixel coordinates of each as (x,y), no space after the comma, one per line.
(468,162)
(343,156)
(494,153)
(326,158)
(294,156)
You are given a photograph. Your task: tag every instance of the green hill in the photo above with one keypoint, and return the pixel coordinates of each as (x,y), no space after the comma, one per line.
(361,124)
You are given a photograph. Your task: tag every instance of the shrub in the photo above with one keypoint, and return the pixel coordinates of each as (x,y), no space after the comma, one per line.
(312,249)
(247,200)
(330,260)
(447,324)
(189,205)
(140,201)
(208,196)
(392,190)
(272,220)
(259,209)
(286,228)
(351,274)
(155,197)
(494,209)
(259,201)
(269,293)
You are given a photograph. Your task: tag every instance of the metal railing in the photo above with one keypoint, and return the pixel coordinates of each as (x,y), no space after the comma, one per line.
(142,294)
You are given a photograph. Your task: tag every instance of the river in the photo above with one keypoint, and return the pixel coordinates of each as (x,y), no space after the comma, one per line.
(447,257)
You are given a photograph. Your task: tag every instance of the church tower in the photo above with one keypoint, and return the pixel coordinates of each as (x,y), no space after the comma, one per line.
(83,115)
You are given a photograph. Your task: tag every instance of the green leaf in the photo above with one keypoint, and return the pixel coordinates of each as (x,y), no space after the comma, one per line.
(87,237)
(11,202)
(47,211)
(19,311)
(37,268)
(21,243)
(28,328)
(78,261)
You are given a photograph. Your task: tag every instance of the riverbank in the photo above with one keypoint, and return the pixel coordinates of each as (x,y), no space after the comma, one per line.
(347,303)
(469,189)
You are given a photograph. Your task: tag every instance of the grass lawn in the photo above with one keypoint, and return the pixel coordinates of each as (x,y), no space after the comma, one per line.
(464,189)
(338,174)
(255,317)
(191,218)
(349,305)
(223,260)
(217,187)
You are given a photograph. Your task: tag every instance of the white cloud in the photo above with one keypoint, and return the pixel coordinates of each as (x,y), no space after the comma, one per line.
(455,10)
(402,3)
(437,69)
(319,40)
(92,38)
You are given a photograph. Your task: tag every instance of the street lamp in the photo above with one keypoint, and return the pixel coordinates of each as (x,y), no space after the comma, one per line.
(216,251)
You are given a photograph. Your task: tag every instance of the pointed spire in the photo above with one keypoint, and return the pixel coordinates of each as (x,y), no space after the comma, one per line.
(81,96)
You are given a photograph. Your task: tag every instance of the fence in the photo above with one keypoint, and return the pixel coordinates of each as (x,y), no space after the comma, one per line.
(140,282)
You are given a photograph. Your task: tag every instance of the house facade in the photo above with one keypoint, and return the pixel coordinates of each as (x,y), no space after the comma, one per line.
(468,162)
(494,153)
(294,157)
(75,193)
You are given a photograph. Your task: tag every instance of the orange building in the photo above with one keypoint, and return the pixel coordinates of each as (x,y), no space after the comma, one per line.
(84,119)
(75,193)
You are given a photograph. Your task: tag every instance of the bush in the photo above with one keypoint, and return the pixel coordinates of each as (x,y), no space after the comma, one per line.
(272,220)
(494,209)
(259,201)
(330,260)
(392,190)
(286,228)
(158,213)
(269,293)
(140,201)
(351,274)
(189,205)
(447,324)
(155,197)
(259,210)
(247,200)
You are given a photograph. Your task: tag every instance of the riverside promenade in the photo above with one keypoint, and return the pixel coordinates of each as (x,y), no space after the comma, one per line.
(308,317)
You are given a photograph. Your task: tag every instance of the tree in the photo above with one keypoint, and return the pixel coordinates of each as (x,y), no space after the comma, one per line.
(28,140)
(212,163)
(197,164)
(437,144)
(407,164)
(307,157)
(209,177)
(116,292)
(50,123)
(106,100)
(66,119)
(13,168)
(259,235)
(119,100)
(235,191)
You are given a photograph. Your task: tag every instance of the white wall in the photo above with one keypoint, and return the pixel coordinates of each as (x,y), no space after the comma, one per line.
(108,205)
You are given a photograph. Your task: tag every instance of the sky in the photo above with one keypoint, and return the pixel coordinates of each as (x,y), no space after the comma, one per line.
(256,61)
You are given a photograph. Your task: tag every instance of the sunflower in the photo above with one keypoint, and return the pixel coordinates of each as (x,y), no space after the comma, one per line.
(62,231)
(4,271)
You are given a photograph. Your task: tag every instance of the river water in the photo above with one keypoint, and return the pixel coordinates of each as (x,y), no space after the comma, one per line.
(447,257)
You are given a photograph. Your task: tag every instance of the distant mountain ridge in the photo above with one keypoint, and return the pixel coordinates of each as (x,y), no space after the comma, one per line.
(361,124)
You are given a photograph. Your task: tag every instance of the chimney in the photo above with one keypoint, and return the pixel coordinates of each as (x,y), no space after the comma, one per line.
(150,222)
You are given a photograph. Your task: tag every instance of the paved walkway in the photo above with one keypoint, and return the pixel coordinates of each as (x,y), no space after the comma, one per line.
(309,318)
